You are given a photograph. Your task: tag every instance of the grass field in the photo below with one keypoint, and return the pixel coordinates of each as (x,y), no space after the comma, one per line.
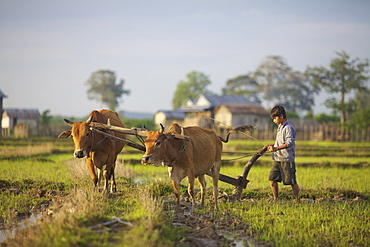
(40,175)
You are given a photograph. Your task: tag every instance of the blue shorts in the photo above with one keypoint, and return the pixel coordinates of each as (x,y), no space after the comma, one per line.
(283,172)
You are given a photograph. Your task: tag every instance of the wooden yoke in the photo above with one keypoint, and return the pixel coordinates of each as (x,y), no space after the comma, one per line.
(182,137)
(98,127)
(132,131)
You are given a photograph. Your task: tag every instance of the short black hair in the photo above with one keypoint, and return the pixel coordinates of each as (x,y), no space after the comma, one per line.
(277,111)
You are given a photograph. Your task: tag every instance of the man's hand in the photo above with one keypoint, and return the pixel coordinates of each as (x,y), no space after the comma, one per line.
(270,147)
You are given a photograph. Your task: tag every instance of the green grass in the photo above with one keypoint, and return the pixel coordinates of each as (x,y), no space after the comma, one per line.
(143,189)
(305,224)
(309,178)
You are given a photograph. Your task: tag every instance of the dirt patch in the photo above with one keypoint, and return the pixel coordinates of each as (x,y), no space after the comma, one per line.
(207,230)
(226,229)
(199,229)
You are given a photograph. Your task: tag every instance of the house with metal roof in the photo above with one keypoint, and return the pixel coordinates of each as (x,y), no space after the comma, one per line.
(168,117)
(241,114)
(21,121)
(233,110)
(208,102)
(2,95)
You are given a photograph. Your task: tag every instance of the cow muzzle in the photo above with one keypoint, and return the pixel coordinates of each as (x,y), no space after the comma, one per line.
(79,153)
(148,160)
(145,160)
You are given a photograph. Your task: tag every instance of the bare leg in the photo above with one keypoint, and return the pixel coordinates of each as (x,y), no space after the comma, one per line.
(275,189)
(296,190)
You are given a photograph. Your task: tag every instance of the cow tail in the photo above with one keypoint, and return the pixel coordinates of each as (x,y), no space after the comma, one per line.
(237,129)
(227,137)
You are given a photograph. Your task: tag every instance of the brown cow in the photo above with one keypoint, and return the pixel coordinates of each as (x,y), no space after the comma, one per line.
(183,158)
(99,150)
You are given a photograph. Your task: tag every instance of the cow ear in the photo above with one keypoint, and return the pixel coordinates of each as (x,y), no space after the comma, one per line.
(65,134)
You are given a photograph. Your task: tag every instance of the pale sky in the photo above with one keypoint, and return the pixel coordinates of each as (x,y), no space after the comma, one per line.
(48,49)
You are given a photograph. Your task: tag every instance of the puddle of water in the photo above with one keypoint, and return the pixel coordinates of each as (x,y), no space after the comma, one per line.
(139,181)
(243,243)
(22,224)
(238,242)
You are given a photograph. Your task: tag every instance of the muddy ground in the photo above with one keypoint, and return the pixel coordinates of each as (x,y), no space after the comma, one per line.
(203,230)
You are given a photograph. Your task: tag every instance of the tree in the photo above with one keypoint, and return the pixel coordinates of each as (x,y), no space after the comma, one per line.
(360,110)
(103,88)
(279,84)
(324,118)
(297,93)
(344,76)
(269,75)
(196,84)
(243,85)
(45,120)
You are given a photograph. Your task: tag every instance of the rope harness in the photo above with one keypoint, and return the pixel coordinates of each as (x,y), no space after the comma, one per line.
(97,145)
(182,149)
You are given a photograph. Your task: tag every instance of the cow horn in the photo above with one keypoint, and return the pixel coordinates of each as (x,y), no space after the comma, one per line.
(162,129)
(88,121)
(182,131)
(70,123)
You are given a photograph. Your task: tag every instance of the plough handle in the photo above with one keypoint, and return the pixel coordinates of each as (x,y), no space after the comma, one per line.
(250,163)
(242,179)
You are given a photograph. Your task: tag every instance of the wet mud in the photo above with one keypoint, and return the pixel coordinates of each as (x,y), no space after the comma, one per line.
(202,229)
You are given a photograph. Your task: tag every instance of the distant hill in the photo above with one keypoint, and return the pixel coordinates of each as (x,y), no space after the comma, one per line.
(136,115)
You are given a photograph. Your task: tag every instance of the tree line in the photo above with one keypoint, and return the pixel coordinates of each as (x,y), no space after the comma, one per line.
(273,82)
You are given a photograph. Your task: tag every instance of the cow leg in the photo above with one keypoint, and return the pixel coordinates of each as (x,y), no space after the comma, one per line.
(113,187)
(203,188)
(106,175)
(191,191)
(100,174)
(91,167)
(175,186)
(215,177)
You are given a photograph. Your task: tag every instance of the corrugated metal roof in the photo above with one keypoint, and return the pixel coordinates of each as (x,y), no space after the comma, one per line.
(174,114)
(217,100)
(2,95)
(22,113)
(246,109)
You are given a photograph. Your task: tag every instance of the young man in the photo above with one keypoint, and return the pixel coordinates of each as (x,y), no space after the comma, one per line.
(283,154)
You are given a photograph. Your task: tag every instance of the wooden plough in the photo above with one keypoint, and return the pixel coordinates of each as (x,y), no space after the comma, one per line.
(239,182)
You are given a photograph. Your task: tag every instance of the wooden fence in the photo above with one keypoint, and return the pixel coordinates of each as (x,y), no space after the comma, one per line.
(318,132)
(313,132)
